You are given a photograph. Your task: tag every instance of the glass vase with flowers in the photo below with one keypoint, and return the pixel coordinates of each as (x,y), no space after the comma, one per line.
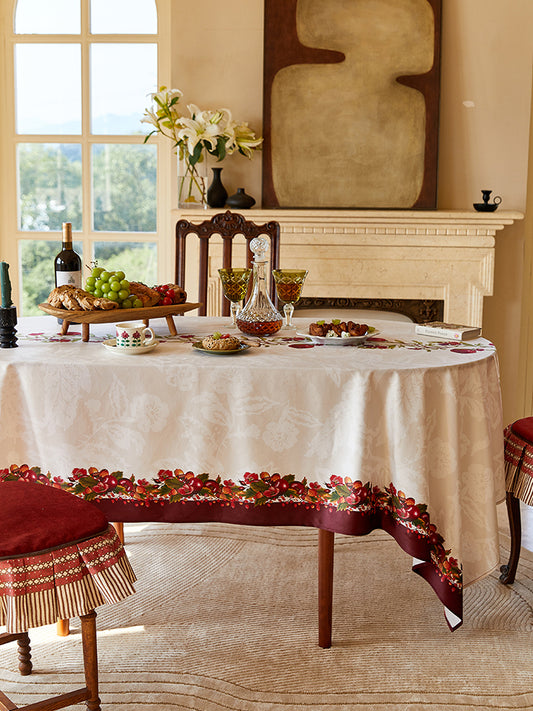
(194,137)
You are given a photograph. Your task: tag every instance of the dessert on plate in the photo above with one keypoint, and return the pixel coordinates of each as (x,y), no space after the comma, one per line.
(221,342)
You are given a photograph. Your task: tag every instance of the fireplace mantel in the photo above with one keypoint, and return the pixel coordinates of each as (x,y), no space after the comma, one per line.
(390,254)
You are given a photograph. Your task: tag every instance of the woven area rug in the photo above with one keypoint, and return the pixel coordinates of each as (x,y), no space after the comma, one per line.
(225,619)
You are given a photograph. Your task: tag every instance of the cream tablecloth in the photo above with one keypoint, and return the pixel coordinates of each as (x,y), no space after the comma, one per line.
(405,426)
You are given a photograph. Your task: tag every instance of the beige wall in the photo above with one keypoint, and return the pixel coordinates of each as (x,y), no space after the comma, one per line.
(484,128)
(486,62)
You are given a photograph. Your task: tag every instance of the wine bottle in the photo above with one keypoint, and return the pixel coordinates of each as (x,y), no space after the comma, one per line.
(67,264)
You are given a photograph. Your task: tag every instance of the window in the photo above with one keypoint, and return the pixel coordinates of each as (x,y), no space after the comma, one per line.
(81,72)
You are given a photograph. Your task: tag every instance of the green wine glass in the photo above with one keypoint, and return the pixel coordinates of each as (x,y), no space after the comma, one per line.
(235,285)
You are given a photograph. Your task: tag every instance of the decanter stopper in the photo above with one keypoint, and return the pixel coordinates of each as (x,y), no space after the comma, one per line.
(259,247)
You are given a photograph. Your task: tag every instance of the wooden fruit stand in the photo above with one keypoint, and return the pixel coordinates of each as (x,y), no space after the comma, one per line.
(144,314)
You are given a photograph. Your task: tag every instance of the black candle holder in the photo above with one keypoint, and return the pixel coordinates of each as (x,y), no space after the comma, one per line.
(8,321)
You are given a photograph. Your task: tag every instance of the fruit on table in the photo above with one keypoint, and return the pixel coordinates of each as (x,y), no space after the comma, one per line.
(170,294)
(112,285)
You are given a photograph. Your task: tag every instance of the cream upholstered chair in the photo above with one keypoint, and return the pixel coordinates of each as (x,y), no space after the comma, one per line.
(227,225)
(59,558)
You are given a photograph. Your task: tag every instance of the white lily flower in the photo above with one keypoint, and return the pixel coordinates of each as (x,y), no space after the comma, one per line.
(194,131)
(150,117)
(215,130)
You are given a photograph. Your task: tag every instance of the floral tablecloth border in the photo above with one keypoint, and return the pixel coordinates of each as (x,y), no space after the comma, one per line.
(256,490)
(291,341)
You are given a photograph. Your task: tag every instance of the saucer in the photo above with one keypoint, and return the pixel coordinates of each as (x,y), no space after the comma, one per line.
(242,347)
(137,350)
(485,206)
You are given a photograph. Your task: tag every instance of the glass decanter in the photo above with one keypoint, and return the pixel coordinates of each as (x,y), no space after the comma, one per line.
(259,316)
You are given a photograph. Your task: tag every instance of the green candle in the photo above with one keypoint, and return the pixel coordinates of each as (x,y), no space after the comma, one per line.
(5,285)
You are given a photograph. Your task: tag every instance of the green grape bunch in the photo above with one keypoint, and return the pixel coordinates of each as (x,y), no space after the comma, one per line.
(113,286)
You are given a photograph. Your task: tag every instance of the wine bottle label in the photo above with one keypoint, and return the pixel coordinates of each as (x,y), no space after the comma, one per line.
(71,278)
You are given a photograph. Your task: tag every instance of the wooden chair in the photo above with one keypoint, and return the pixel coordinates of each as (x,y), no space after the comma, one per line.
(227,225)
(518,453)
(59,558)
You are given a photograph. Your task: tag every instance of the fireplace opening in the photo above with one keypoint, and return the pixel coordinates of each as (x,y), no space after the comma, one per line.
(416,310)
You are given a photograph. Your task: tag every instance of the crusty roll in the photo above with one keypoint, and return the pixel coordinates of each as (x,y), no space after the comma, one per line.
(74,299)
(105,304)
(149,297)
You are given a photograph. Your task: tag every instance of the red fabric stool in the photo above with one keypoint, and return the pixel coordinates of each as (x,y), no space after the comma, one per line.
(518,484)
(59,558)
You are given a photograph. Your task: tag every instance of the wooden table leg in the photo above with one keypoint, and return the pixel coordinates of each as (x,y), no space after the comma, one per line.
(64,327)
(85,332)
(508,571)
(326,542)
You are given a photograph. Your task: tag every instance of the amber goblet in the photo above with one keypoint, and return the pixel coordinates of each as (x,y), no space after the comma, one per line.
(289,284)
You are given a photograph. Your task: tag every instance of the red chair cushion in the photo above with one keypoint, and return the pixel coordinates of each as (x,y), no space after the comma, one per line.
(524,428)
(34,517)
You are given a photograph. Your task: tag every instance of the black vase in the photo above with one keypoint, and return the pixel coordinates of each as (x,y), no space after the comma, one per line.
(216,192)
(241,200)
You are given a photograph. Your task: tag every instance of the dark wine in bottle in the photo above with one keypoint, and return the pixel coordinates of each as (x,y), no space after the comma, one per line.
(67,264)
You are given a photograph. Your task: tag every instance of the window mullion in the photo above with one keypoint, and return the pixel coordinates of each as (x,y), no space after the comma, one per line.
(85,131)
(141,219)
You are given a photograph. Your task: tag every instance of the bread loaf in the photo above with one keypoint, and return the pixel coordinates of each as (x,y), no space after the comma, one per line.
(149,297)
(73,298)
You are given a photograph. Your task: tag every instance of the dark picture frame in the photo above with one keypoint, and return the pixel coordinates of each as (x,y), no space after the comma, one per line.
(375,169)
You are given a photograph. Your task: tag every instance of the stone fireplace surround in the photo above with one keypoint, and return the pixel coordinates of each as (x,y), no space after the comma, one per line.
(389,255)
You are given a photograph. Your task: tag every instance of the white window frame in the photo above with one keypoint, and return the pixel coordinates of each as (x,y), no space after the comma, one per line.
(10,234)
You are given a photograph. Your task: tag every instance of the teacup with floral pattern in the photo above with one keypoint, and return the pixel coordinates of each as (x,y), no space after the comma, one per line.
(134,335)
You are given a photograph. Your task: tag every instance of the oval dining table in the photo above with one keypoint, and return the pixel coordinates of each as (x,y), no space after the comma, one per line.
(402,432)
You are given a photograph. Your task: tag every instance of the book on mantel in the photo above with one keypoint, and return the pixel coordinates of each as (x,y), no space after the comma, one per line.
(447,330)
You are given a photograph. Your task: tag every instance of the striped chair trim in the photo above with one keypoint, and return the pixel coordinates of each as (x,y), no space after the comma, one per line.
(63,583)
(518,466)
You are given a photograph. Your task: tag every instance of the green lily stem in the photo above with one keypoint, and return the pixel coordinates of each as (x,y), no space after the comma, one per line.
(191,174)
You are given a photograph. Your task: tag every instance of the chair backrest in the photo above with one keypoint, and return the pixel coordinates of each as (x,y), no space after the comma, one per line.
(227,225)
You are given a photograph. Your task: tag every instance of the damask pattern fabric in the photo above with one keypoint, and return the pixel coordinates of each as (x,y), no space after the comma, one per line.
(403,411)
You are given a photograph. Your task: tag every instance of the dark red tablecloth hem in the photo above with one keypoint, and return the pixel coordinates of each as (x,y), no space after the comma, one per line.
(451,597)
(295,514)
